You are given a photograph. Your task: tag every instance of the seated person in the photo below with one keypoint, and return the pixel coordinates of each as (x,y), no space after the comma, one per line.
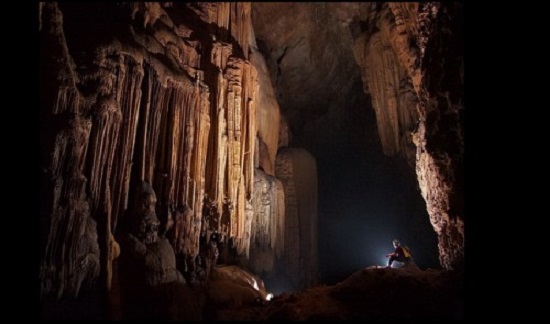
(398,254)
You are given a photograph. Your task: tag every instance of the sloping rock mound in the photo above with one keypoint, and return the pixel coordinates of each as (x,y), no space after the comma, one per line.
(371,294)
(405,293)
(237,279)
(231,293)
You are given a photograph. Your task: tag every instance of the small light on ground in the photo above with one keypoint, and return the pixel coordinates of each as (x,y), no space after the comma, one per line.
(255,284)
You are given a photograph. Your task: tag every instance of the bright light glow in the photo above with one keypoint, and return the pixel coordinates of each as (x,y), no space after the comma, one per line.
(255,284)
(384,260)
(269,296)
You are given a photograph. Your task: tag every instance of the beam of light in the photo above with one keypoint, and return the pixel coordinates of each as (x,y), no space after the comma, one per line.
(381,253)
(384,260)
(269,296)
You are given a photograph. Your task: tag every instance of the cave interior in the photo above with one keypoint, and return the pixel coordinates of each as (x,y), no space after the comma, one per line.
(251,161)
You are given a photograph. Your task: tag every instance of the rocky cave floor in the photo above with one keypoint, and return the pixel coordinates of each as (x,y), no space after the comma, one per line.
(372,293)
(368,294)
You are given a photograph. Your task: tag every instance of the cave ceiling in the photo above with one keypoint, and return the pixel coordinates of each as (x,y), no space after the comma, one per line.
(308,50)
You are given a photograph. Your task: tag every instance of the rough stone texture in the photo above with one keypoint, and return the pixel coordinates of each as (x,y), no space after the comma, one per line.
(389,42)
(313,68)
(311,62)
(69,252)
(403,32)
(232,286)
(268,224)
(371,295)
(440,137)
(168,88)
(285,136)
(148,260)
(268,113)
(177,95)
(297,170)
(388,64)
(418,99)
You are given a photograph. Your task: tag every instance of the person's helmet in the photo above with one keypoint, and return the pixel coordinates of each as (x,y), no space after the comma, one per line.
(396,241)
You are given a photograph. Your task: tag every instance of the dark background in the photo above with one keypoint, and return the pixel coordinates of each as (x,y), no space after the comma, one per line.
(366,199)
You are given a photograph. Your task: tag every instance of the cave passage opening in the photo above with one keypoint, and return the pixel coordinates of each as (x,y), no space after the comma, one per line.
(366,199)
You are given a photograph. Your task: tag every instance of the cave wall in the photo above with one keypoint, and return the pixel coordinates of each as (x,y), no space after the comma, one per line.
(165,90)
(268,118)
(180,96)
(65,210)
(411,59)
(309,57)
(314,66)
(440,136)
(389,70)
(159,92)
(417,103)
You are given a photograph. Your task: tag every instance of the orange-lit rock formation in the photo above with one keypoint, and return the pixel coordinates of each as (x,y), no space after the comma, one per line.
(418,115)
(187,97)
(168,96)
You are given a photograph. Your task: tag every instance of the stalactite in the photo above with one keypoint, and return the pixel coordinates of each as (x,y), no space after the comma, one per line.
(175,152)
(216,147)
(250,86)
(383,82)
(240,24)
(405,78)
(233,173)
(67,100)
(70,255)
(392,98)
(70,247)
(128,93)
(103,141)
(237,229)
(216,13)
(219,149)
(156,111)
(267,231)
(203,120)
(243,243)
(389,60)
(242,82)
(158,105)
(231,21)
(230,148)
(402,32)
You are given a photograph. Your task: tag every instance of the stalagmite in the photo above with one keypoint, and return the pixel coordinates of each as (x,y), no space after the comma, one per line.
(297,170)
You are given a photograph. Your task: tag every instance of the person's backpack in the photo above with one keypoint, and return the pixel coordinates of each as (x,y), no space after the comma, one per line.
(407,252)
